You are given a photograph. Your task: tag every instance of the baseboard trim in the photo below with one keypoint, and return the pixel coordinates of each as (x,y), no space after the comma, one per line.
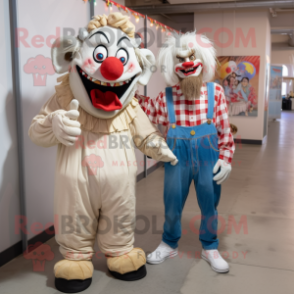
(16,249)
(42,237)
(150,170)
(248,141)
(154,167)
(10,253)
(140,176)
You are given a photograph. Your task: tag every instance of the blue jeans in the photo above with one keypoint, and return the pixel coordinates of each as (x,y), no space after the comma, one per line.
(197,155)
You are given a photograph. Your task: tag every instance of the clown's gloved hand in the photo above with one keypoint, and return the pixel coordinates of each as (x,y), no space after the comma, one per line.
(163,153)
(65,126)
(225,170)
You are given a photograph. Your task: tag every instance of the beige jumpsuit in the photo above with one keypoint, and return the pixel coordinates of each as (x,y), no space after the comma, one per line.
(95,179)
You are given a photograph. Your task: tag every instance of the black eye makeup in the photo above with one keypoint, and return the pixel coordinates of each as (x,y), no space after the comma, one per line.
(123,55)
(100,53)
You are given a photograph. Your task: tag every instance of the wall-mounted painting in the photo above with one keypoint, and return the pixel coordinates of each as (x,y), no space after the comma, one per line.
(239,76)
(275,92)
(276,82)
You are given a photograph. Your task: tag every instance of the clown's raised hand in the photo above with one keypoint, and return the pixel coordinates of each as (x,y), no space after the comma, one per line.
(225,170)
(162,150)
(65,126)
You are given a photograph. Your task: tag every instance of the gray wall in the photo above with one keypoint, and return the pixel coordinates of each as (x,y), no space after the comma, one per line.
(9,196)
(53,16)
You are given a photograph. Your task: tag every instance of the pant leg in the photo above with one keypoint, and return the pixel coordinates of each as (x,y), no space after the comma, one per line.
(177,181)
(208,193)
(116,224)
(76,209)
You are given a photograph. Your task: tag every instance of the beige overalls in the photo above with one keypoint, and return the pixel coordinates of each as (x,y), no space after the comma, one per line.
(95,179)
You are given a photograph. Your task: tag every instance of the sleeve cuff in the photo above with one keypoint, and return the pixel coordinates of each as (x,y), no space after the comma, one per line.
(225,158)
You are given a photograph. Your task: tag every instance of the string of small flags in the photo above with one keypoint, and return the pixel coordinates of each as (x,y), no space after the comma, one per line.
(120,7)
(163,27)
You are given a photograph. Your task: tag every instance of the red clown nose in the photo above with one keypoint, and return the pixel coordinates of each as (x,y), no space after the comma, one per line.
(188,64)
(111,68)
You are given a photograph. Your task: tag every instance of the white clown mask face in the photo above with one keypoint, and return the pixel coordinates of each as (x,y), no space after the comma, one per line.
(104,70)
(189,65)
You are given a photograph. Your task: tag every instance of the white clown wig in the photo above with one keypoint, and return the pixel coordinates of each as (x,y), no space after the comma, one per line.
(204,51)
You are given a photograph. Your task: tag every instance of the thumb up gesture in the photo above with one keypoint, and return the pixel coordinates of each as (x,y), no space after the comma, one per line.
(65,126)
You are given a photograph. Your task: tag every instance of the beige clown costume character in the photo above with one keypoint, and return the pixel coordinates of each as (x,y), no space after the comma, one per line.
(96,122)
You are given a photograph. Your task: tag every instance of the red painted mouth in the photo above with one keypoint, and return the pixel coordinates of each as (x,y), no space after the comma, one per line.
(189,71)
(107,101)
(105,96)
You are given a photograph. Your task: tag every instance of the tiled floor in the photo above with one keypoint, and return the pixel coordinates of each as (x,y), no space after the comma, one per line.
(259,196)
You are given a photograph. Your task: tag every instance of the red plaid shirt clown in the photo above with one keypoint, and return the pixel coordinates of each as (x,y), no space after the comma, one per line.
(193,113)
(198,116)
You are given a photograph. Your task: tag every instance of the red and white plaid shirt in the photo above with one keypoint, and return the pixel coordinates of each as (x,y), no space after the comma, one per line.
(193,113)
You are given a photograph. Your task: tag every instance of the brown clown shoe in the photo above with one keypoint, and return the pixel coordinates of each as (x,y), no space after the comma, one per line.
(128,267)
(73,276)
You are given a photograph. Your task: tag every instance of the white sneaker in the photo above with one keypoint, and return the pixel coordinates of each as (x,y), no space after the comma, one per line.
(214,258)
(161,253)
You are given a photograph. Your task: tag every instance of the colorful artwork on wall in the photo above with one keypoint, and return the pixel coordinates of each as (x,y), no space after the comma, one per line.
(266,97)
(275,92)
(276,82)
(239,75)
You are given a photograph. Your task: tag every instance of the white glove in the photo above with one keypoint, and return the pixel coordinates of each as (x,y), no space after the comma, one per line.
(225,170)
(163,152)
(65,126)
